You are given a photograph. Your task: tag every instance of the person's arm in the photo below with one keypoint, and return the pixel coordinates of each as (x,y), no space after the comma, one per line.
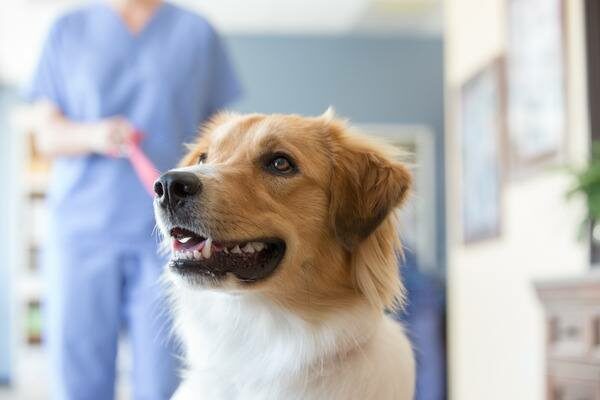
(56,135)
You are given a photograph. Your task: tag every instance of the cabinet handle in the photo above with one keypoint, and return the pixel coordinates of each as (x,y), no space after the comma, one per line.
(596,331)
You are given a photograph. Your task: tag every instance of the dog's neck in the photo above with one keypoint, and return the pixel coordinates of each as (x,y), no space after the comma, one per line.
(240,334)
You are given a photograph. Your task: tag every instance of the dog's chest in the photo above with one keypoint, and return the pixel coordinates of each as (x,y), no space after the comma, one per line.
(252,350)
(200,385)
(245,340)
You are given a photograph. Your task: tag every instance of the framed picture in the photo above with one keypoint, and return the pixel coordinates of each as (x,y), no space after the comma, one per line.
(535,69)
(420,220)
(481,129)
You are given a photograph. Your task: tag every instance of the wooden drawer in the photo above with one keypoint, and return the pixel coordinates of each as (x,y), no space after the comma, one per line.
(573,380)
(573,390)
(568,333)
(574,333)
(594,322)
(573,336)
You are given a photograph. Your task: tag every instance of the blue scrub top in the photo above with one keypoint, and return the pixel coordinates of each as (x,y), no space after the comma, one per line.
(166,80)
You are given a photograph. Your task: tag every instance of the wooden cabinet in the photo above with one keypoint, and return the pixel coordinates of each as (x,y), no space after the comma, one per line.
(572,312)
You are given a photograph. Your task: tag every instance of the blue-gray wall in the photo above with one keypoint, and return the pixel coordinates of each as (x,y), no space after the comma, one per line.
(366,78)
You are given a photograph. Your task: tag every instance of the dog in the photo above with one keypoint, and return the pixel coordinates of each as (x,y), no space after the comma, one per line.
(284,259)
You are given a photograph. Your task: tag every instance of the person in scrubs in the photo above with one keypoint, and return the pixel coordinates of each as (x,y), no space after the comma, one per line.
(109,69)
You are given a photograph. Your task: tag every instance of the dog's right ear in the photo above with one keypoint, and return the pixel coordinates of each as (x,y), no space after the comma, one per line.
(367,184)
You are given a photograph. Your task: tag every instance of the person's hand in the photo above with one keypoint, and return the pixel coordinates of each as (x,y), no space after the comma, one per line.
(111,136)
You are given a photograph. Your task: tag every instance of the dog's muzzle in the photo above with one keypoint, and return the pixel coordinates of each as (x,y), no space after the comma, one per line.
(196,253)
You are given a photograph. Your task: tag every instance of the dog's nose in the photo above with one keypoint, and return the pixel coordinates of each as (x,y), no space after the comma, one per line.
(172,188)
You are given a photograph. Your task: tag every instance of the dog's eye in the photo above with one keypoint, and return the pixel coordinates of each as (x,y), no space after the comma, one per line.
(281,165)
(201,158)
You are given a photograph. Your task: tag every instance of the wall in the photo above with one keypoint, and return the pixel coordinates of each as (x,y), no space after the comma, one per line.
(8,239)
(496,332)
(368,79)
(4,262)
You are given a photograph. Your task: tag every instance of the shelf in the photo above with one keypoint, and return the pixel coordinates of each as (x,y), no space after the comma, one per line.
(36,183)
(31,287)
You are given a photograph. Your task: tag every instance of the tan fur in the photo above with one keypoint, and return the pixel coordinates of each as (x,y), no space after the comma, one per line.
(314,329)
(336,217)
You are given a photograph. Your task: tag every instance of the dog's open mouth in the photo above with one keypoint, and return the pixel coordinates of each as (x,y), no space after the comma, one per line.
(248,260)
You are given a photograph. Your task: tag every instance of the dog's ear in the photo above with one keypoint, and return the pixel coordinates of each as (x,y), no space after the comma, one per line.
(367,184)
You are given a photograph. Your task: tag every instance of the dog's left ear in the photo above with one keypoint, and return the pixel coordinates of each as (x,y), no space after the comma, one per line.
(367,184)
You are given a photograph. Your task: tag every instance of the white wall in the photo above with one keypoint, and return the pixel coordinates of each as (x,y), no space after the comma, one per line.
(22,27)
(10,239)
(496,332)
(23,24)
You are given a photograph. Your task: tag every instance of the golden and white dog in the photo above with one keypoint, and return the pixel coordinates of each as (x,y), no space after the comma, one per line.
(284,257)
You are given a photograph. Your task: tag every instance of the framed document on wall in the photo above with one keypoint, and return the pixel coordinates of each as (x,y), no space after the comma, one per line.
(535,68)
(481,129)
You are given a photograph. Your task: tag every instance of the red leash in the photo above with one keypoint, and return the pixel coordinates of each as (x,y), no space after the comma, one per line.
(144,168)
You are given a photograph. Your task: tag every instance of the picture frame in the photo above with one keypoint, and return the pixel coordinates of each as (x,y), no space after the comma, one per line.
(536,84)
(482,132)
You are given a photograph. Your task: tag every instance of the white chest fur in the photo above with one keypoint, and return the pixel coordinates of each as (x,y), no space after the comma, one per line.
(245,347)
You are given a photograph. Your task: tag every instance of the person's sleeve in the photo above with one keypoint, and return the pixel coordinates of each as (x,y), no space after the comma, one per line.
(46,81)
(225,86)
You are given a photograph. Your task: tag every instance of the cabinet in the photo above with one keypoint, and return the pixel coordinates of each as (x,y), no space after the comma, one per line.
(572,315)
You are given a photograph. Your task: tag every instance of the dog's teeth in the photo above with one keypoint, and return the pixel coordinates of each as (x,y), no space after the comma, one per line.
(248,248)
(184,239)
(236,250)
(197,255)
(226,250)
(258,246)
(207,249)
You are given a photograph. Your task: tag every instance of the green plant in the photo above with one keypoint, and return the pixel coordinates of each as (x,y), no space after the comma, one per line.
(587,183)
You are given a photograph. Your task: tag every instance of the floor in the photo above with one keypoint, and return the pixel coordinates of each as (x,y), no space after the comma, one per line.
(31,374)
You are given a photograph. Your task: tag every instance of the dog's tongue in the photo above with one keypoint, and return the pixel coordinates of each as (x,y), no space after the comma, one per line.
(189,242)
(183,240)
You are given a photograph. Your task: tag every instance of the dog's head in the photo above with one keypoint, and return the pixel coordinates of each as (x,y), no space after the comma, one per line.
(296,208)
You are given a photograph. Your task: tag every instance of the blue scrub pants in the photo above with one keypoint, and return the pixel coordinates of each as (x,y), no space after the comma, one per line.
(93,291)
